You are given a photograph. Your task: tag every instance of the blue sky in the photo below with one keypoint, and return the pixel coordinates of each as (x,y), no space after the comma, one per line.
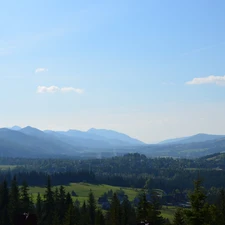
(151,69)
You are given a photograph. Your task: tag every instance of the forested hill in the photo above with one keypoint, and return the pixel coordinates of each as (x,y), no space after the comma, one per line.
(130,170)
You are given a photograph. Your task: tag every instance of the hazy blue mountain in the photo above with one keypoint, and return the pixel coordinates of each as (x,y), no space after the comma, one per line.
(34,144)
(171,141)
(15,128)
(80,139)
(195,138)
(85,140)
(31,142)
(82,134)
(94,138)
(33,132)
(113,135)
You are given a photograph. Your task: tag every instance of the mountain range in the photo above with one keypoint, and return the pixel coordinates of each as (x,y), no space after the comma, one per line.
(192,139)
(32,142)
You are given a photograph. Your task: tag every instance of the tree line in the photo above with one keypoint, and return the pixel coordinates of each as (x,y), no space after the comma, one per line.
(56,207)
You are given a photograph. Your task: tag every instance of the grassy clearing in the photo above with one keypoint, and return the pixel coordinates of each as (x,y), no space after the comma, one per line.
(168,212)
(82,190)
(6,167)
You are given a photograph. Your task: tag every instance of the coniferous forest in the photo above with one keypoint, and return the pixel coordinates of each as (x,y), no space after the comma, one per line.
(56,207)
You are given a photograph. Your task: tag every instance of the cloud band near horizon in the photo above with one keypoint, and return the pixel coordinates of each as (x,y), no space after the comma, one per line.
(218,80)
(54,89)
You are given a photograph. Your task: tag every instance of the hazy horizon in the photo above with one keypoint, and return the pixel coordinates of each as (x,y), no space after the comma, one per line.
(152,70)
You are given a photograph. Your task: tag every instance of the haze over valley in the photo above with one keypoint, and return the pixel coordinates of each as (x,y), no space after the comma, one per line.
(97,143)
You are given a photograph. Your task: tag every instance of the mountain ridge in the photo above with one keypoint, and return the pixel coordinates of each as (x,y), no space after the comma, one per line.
(200,137)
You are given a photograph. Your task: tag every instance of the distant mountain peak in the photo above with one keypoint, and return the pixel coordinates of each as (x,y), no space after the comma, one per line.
(30,128)
(115,135)
(15,128)
(200,137)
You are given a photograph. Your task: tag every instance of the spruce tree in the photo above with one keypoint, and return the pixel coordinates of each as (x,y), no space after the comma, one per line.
(84,218)
(155,210)
(69,216)
(99,218)
(115,212)
(179,217)
(198,213)
(91,207)
(48,203)
(4,203)
(39,208)
(77,214)
(62,203)
(14,200)
(128,213)
(222,207)
(26,204)
(143,208)
(55,220)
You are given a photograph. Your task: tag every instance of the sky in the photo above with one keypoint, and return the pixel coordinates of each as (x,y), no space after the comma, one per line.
(153,69)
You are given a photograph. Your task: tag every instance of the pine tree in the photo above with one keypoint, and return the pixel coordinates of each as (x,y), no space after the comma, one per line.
(128,213)
(55,220)
(70,216)
(69,201)
(115,212)
(39,208)
(62,203)
(91,207)
(198,213)
(99,218)
(222,207)
(4,202)
(26,204)
(155,210)
(179,217)
(143,208)
(77,216)
(49,203)
(14,200)
(84,218)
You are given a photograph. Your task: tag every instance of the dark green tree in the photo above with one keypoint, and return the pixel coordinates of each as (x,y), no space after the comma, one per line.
(69,216)
(49,203)
(115,212)
(14,200)
(179,217)
(143,208)
(128,213)
(62,203)
(39,208)
(154,210)
(222,207)
(84,216)
(99,218)
(25,201)
(4,202)
(199,210)
(91,207)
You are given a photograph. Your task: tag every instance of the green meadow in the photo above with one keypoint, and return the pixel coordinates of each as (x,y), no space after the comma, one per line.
(82,191)
(6,167)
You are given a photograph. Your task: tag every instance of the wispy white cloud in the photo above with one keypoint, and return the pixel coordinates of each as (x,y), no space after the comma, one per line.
(71,89)
(54,89)
(41,70)
(218,80)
